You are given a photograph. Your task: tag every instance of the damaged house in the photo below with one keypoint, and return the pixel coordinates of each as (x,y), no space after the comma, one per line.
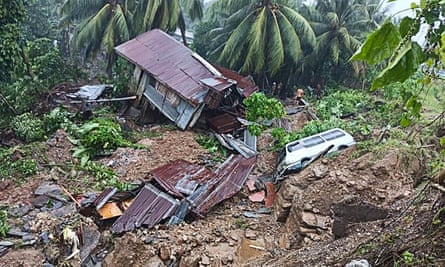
(172,79)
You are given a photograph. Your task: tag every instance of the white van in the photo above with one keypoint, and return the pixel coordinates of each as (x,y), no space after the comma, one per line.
(297,154)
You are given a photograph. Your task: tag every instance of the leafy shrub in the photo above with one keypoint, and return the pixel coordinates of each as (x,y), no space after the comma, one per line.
(104,177)
(56,119)
(4,226)
(212,145)
(260,110)
(98,137)
(16,169)
(28,127)
(342,103)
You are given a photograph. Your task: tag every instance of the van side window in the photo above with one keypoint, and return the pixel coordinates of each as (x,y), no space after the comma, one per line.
(293,147)
(333,135)
(313,141)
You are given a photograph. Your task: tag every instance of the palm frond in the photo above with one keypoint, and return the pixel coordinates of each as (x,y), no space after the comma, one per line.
(301,26)
(291,40)
(343,34)
(275,46)
(74,10)
(235,45)
(194,8)
(89,33)
(334,50)
(255,58)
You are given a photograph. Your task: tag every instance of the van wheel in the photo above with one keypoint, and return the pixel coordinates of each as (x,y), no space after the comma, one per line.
(304,162)
(342,147)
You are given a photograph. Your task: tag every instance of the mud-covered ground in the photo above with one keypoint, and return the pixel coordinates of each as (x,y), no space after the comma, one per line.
(297,231)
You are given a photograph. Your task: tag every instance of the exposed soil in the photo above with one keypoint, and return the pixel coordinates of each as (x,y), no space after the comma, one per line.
(335,210)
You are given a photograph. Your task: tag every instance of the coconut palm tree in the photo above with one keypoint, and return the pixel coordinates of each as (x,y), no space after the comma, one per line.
(103,24)
(338,25)
(260,37)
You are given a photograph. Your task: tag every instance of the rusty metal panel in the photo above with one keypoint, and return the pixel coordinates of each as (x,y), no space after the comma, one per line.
(218,84)
(179,176)
(168,61)
(223,123)
(230,178)
(148,208)
(246,84)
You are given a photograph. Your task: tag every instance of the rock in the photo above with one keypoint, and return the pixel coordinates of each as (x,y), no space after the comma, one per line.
(16,232)
(358,263)
(164,253)
(3,251)
(155,261)
(90,238)
(320,171)
(250,234)
(309,219)
(149,240)
(205,260)
(28,237)
(44,236)
(40,201)
(29,243)
(6,243)
(190,261)
(21,210)
(48,188)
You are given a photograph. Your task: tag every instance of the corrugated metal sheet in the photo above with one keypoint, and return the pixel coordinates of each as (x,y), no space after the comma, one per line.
(245,83)
(149,208)
(223,123)
(230,178)
(170,62)
(180,177)
(218,84)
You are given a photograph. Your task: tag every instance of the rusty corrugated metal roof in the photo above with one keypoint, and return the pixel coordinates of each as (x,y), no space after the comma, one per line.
(223,123)
(230,178)
(148,208)
(218,84)
(181,177)
(245,83)
(169,61)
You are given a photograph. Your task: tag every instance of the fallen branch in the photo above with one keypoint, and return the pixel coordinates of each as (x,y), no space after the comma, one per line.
(70,196)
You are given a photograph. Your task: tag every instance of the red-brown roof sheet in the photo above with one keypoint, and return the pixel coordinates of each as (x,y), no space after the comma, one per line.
(181,177)
(169,61)
(246,83)
(148,208)
(230,178)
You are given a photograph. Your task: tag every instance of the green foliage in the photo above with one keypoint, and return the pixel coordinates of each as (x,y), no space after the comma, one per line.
(11,60)
(318,126)
(4,226)
(261,110)
(98,137)
(13,167)
(395,45)
(213,146)
(104,177)
(56,119)
(340,103)
(28,127)
(281,137)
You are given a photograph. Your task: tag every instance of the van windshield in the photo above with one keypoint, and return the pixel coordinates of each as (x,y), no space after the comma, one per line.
(294,147)
(313,141)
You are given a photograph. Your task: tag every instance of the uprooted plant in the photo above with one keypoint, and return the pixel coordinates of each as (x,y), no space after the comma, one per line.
(98,137)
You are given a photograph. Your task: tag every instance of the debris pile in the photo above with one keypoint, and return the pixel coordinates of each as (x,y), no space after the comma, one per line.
(174,191)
